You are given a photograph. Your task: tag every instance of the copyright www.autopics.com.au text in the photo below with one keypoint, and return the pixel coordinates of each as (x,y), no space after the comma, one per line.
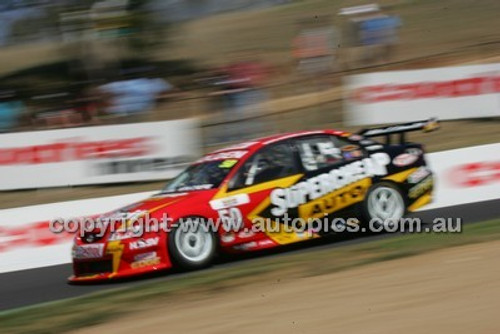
(137,227)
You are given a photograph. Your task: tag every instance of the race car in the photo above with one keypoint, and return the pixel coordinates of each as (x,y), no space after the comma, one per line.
(243,198)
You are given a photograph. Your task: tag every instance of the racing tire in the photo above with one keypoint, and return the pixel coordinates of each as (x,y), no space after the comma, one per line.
(383,206)
(191,244)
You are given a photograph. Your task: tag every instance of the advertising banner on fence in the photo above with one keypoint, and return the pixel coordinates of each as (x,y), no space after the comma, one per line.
(95,155)
(403,96)
(466,175)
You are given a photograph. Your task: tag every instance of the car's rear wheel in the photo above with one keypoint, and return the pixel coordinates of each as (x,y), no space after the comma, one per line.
(384,204)
(191,243)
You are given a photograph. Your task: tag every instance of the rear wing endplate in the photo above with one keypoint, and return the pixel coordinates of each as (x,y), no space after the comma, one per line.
(401,129)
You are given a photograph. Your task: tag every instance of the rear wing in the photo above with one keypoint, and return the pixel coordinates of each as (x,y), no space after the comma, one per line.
(401,129)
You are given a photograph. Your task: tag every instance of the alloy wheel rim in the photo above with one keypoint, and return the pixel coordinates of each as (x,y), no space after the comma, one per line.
(387,204)
(193,241)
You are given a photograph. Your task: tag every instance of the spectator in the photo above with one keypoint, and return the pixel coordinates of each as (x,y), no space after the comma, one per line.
(241,89)
(55,110)
(314,50)
(133,97)
(10,110)
(390,39)
(381,32)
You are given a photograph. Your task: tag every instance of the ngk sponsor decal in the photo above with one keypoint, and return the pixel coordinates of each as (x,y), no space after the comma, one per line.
(322,185)
(475,174)
(144,243)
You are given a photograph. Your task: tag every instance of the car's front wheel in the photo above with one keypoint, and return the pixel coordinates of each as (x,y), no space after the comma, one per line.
(192,245)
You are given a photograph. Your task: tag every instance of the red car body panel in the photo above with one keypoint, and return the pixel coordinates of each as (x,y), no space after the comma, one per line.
(118,256)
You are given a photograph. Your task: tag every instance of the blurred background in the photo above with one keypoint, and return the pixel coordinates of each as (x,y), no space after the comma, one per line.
(101,102)
(239,68)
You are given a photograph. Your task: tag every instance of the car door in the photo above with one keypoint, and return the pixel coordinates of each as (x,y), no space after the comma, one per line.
(275,166)
(330,165)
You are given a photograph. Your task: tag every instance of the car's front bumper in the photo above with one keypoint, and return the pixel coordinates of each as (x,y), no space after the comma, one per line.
(118,259)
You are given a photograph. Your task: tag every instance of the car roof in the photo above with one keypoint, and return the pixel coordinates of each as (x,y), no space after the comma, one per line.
(255,144)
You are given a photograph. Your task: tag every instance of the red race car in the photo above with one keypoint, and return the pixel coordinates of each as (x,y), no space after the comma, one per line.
(261,194)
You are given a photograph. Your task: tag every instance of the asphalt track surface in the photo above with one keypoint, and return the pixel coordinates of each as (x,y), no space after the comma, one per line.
(28,287)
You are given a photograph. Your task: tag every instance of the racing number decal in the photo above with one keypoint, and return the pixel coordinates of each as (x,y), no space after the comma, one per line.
(232,219)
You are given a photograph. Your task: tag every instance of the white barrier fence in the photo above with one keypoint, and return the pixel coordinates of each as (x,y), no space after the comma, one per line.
(403,96)
(99,154)
(25,239)
(463,175)
(466,175)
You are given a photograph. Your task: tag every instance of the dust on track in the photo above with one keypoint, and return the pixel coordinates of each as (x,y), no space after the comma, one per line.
(455,290)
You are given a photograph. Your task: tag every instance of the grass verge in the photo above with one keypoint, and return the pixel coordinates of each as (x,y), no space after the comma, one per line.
(99,307)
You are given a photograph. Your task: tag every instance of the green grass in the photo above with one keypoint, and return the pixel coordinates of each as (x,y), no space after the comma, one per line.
(99,307)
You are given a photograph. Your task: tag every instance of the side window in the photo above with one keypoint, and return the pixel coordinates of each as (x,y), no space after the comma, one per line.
(270,163)
(323,151)
(350,151)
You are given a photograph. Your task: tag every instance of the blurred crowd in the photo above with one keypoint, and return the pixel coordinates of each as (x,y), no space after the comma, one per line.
(370,34)
(124,99)
(102,35)
(238,91)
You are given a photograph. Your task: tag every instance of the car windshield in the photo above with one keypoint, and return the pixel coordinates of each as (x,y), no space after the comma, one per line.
(205,175)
